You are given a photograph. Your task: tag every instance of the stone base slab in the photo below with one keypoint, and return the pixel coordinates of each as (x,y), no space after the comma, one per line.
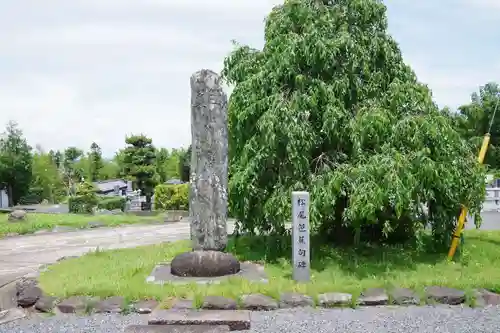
(11,315)
(176,329)
(236,320)
(249,271)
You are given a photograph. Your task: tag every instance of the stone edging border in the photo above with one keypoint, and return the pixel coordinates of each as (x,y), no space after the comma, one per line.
(30,296)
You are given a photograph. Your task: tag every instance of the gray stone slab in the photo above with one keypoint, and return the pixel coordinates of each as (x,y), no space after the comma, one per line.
(8,296)
(250,271)
(236,320)
(11,315)
(176,329)
(8,278)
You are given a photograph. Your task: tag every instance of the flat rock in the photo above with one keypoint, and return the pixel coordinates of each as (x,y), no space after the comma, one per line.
(66,258)
(29,296)
(42,231)
(62,228)
(218,303)
(330,300)
(258,302)
(74,304)
(175,216)
(11,315)
(44,267)
(25,283)
(236,320)
(145,307)
(104,212)
(45,303)
(373,296)
(182,304)
(204,264)
(17,215)
(295,300)
(484,297)
(177,329)
(114,304)
(95,224)
(404,296)
(445,295)
(8,296)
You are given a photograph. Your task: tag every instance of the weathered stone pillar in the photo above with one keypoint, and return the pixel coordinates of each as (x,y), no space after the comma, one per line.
(209,162)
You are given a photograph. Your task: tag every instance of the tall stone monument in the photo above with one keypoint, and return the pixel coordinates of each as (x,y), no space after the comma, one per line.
(209,154)
(208,182)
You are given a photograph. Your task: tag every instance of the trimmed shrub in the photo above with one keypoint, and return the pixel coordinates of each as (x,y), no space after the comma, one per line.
(84,201)
(33,197)
(171,197)
(111,203)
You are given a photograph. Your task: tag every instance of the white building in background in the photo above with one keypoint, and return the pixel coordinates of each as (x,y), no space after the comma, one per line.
(4,199)
(492,200)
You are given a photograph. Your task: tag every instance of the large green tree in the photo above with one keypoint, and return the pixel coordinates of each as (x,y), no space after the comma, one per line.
(329,106)
(139,163)
(15,163)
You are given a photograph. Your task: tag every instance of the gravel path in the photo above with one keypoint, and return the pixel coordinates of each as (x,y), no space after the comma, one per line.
(440,319)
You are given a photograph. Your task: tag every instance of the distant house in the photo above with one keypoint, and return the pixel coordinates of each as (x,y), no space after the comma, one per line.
(4,198)
(174,182)
(491,181)
(111,187)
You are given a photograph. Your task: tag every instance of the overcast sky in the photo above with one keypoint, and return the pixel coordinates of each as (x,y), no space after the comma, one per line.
(73,72)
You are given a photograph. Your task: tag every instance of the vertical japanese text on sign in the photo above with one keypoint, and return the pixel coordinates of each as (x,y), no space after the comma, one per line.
(301,254)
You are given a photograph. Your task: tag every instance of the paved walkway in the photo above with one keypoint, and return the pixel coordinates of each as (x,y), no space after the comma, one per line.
(24,255)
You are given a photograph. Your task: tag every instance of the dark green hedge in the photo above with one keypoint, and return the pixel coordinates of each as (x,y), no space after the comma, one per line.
(111,203)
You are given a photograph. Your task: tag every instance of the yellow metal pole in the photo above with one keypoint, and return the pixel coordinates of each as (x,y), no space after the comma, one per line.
(463,213)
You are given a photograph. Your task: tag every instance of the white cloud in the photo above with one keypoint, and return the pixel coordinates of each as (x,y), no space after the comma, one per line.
(107,34)
(73,72)
(490,4)
(214,5)
(452,87)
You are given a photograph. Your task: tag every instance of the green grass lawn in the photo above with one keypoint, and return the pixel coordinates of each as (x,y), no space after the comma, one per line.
(123,272)
(35,222)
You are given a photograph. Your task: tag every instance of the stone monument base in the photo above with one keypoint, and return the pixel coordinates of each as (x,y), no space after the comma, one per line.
(249,271)
(204,264)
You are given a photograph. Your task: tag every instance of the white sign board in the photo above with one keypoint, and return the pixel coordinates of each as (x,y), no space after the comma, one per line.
(300,236)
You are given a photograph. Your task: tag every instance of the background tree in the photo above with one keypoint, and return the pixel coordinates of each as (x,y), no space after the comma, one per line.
(46,179)
(172,165)
(119,160)
(139,163)
(185,165)
(110,170)
(95,161)
(56,157)
(15,163)
(473,120)
(72,174)
(162,157)
(330,106)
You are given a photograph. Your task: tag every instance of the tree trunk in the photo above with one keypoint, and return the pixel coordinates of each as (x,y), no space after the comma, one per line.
(9,194)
